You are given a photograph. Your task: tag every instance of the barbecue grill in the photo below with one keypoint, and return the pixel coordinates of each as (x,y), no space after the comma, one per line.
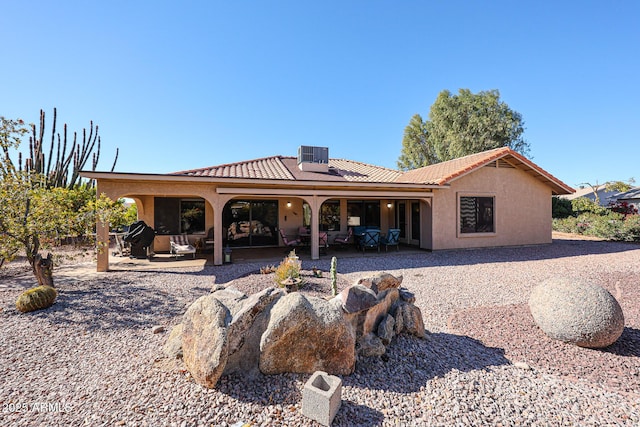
(140,236)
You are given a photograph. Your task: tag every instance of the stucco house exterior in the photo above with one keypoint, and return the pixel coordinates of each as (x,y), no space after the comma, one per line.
(489,199)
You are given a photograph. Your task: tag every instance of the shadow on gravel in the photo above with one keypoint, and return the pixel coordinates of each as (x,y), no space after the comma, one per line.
(628,344)
(351,414)
(265,391)
(407,366)
(558,249)
(411,362)
(120,305)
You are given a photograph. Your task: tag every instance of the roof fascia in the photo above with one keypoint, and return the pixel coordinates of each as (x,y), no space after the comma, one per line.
(356,192)
(243,182)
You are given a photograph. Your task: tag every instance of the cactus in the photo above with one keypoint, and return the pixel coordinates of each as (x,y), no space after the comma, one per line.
(334,276)
(36,298)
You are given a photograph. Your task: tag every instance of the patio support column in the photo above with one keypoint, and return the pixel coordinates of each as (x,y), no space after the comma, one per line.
(102,245)
(315,203)
(102,229)
(315,225)
(217,202)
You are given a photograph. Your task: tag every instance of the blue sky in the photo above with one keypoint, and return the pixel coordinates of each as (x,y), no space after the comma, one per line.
(181,85)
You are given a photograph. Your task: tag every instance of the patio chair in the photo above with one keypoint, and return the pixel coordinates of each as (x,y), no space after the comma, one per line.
(370,239)
(290,243)
(343,239)
(391,239)
(358,233)
(180,246)
(206,243)
(323,241)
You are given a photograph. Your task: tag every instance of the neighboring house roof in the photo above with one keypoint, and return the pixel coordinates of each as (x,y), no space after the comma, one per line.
(286,168)
(632,194)
(445,172)
(587,192)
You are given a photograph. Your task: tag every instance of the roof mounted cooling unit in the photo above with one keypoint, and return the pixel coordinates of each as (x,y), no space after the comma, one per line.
(313,159)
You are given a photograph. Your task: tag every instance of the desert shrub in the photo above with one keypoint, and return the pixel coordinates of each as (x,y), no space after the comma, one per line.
(610,226)
(289,267)
(583,205)
(604,226)
(630,230)
(566,225)
(623,208)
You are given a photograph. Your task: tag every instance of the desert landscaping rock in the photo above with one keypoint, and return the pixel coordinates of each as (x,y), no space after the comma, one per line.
(173,347)
(577,312)
(375,314)
(92,352)
(386,329)
(307,334)
(250,320)
(380,282)
(412,321)
(357,298)
(204,339)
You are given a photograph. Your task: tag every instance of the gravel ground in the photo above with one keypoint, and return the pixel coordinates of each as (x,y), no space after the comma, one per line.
(92,358)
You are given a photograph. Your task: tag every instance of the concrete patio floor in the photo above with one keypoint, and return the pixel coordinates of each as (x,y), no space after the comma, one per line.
(267,256)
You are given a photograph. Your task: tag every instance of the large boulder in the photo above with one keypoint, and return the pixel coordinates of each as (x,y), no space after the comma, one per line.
(173,347)
(249,321)
(375,314)
(204,339)
(577,312)
(380,282)
(307,334)
(409,319)
(357,298)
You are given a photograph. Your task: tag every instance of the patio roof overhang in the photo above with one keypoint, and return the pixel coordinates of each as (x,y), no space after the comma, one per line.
(276,187)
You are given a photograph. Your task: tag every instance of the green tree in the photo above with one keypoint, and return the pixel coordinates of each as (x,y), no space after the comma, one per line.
(11,132)
(417,150)
(29,215)
(37,210)
(460,125)
(560,207)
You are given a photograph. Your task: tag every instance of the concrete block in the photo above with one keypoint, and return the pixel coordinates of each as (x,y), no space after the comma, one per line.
(322,397)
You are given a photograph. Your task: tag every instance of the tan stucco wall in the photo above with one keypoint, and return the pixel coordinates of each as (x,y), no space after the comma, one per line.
(522,210)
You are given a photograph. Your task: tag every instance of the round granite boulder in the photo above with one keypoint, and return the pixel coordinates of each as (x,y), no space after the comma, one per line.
(577,312)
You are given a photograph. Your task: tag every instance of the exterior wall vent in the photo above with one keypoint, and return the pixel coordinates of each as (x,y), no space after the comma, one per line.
(313,159)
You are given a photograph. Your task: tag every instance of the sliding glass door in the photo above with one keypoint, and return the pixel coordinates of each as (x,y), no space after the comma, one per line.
(251,223)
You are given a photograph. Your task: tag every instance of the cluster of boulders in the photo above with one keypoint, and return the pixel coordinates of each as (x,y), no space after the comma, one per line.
(276,332)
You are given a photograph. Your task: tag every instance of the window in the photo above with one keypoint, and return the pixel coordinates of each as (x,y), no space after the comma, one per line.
(330,216)
(363,212)
(476,214)
(192,216)
(176,216)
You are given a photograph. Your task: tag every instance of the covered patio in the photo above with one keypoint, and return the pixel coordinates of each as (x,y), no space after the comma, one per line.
(264,256)
(489,199)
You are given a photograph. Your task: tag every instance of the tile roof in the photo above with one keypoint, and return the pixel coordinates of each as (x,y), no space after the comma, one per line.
(266,168)
(286,168)
(340,170)
(445,172)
